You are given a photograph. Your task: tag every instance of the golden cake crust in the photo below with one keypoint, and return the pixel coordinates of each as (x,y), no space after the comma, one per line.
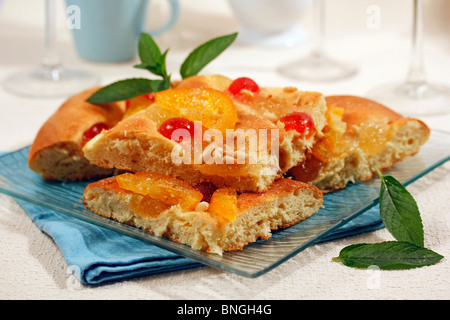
(56,149)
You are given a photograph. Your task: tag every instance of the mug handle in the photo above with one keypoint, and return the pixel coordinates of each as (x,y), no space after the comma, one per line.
(174,14)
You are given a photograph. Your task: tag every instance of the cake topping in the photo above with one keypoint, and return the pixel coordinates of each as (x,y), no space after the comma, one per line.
(224,203)
(243,83)
(374,135)
(93,131)
(163,188)
(214,109)
(139,103)
(207,189)
(301,122)
(168,127)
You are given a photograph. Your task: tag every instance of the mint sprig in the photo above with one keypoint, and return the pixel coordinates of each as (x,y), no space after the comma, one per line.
(153,60)
(204,54)
(401,217)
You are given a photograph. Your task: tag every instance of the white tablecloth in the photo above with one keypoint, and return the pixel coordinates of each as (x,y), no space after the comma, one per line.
(32,267)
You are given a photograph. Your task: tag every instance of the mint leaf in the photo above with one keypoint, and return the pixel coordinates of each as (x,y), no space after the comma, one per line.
(401,216)
(399,212)
(158,68)
(387,255)
(204,54)
(127,89)
(151,57)
(149,51)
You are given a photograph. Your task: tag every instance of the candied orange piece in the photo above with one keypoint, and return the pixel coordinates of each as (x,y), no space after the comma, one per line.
(213,108)
(373,136)
(139,103)
(159,114)
(332,144)
(161,187)
(224,203)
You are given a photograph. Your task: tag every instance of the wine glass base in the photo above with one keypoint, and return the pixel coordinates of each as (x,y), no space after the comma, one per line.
(288,38)
(44,84)
(317,68)
(411,99)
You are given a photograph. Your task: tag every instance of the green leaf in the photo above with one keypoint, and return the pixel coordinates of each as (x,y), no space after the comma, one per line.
(204,54)
(151,57)
(155,69)
(387,255)
(149,52)
(127,89)
(399,212)
(160,85)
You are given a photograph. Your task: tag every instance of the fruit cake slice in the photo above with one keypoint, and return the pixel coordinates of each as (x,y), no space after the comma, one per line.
(143,141)
(300,114)
(361,135)
(205,218)
(56,152)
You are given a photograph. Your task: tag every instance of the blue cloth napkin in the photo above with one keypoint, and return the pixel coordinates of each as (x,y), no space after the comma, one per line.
(98,255)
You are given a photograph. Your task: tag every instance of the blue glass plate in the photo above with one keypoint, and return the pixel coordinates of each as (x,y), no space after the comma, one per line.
(340,207)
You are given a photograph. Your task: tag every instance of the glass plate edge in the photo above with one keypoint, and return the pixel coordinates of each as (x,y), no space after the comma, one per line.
(167,244)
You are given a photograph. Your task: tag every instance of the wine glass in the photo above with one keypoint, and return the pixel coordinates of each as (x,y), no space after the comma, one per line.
(51,79)
(415,96)
(318,66)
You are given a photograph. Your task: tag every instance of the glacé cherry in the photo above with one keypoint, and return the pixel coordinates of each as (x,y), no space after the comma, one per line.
(93,131)
(243,83)
(207,189)
(169,126)
(301,122)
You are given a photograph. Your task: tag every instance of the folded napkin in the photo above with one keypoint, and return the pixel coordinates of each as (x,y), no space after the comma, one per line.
(98,255)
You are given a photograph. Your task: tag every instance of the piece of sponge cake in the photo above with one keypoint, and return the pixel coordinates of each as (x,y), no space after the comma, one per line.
(361,135)
(228,222)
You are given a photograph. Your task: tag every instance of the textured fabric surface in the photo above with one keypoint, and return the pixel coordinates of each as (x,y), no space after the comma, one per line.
(34,267)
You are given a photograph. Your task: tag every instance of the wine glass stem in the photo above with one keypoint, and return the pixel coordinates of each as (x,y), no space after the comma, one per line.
(50,62)
(416,74)
(319,21)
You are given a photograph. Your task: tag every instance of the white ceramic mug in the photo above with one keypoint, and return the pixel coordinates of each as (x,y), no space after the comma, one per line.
(266,21)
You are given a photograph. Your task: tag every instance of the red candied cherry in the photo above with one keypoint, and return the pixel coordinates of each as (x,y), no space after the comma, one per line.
(301,122)
(207,189)
(169,126)
(243,83)
(93,131)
